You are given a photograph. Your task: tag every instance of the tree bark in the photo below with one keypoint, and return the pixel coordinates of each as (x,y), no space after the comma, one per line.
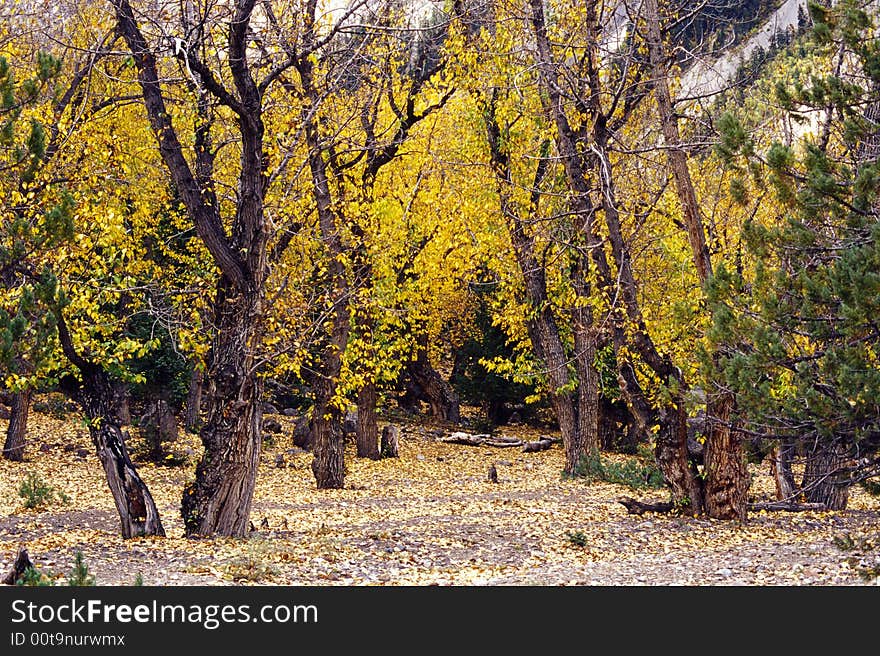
(437,392)
(786,489)
(367,434)
(826,476)
(724,464)
(193,416)
(390,441)
(576,409)
(219,501)
(726,475)
(101,400)
(16,432)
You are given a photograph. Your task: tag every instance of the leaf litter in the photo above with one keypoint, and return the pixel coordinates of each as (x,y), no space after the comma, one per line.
(429,517)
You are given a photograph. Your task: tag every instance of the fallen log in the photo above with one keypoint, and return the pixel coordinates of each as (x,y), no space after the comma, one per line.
(634,507)
(482,439)
(19,567)
(786,506)
(538,445)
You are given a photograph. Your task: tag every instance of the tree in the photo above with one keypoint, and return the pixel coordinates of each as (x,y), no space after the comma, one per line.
(798,335)
(219,500)
(40,235)
(724,494)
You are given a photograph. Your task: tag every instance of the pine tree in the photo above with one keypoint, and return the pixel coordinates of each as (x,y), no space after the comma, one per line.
(805,369)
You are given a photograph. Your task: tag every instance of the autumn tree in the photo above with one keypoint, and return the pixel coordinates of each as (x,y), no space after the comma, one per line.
(58,322)
(724,464)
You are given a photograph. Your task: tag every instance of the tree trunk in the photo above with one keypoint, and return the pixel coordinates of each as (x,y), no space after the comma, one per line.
(726,476)
(101,400)
(437,392)
(16,432)
(390,441)
(671,452)
(724,464)
(219,501)
(826,477)
(367,428)
(328,464)
(780,464)
(576,410)
(193,417)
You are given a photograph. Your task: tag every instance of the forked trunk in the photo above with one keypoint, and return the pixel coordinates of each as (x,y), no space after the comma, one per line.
(724,464)
(101,400)
(367,433)
(16,432)
(219,501)
(671,452)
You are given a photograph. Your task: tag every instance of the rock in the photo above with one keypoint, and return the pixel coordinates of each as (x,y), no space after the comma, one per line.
(272,425)
(302,433)
(725,572)
(69,447)
(45,448)
(279,460)
(82,453)
(420,457)
(290,412)
(515,418)
(269,409)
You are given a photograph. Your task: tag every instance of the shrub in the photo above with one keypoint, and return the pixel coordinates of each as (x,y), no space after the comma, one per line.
(32,577)
(577,538)
(37,493)
(638,473)
(79,575)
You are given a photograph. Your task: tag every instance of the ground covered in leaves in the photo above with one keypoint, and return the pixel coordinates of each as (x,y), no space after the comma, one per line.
(429,517)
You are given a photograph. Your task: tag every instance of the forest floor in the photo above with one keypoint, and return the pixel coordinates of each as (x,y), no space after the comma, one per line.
(428,517)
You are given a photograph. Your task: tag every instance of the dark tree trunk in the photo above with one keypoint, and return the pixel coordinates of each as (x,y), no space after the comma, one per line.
(437,392)
(367,434)
(158,426)
(219,501)
(101,400)
(328,464)
(724,464)
(826,477)
(726,475)
(576,410)
(671,452)
(781,456)
(193,418)
(390,441)
(16,432)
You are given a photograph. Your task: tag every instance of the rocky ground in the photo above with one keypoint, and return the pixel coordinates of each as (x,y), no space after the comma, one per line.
(429,517)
